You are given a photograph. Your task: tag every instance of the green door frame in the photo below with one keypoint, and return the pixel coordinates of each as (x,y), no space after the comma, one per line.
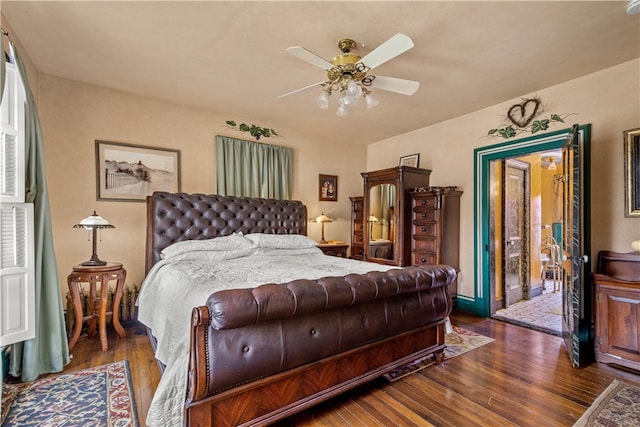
(480,304)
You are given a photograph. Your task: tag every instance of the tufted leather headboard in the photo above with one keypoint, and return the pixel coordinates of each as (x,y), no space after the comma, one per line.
(173,217)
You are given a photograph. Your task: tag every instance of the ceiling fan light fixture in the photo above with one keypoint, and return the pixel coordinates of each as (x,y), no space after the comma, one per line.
(323,100)
(347,73)
(371,100)
(633,8)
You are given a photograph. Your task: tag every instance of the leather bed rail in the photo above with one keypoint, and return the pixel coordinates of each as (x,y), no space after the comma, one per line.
(235,308)
(253,333)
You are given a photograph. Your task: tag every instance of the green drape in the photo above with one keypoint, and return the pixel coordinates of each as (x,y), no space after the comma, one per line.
(2,73)
(251,169)
(49,350)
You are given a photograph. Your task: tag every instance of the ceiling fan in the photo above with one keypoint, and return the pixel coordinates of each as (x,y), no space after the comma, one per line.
(349,75)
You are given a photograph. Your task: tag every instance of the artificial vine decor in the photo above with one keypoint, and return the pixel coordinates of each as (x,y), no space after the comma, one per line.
(256,131)
(522,118)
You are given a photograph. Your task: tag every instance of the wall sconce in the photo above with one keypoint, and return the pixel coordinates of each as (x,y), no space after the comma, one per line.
(322,219)
(93,222)
(372,220)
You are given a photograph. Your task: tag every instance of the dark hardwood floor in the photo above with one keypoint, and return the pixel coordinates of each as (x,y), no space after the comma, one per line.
(523,378)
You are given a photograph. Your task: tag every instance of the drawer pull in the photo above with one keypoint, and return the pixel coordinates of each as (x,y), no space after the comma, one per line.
(423,229)
(423,202)
(423,260)
(424,215)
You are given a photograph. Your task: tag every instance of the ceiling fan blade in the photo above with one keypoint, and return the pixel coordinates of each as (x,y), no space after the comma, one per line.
(393,47)
(392,84)
(301,89)
(311,58)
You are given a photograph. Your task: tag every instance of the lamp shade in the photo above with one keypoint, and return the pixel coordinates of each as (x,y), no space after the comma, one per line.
(323,218)
(93,221)
(373,218)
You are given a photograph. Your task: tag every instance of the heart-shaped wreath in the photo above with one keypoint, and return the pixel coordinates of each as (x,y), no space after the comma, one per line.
(522,114)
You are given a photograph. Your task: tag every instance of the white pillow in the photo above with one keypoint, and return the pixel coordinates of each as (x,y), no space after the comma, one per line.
(281,241)
(287,251)
(225,243)
(211,255)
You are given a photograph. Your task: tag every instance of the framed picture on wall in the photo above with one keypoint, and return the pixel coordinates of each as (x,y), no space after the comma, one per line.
(328,191)
(129,173)
(412,160)
(632,173)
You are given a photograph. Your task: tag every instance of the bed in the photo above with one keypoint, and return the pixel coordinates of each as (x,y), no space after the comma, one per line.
(289,326)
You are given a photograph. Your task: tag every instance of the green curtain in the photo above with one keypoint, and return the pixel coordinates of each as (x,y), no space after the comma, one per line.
(48,351)
(2,73)
(252,169)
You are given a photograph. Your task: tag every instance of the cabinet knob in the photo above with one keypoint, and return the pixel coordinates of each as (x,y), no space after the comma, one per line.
(424,215)
(423,229)
(423,260)
(423,202)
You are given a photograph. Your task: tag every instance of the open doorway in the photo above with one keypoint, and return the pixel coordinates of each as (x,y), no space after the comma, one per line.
(526,208)
(576,250)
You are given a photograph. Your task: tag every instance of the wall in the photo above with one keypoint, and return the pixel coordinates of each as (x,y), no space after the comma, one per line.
(608,99)
(74,114)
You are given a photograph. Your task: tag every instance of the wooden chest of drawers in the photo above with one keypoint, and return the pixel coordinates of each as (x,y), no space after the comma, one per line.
(357,227)
(617,309)
(435,227)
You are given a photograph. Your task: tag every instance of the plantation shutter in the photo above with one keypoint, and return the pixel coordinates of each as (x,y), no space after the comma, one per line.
(17,290)
(12,137)
(17,269)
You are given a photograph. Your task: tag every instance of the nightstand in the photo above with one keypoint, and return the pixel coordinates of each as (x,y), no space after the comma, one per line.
(334,249)
(102,274)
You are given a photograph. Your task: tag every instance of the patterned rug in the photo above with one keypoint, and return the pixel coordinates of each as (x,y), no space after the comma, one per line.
(617,406)
(458,342)
(542,313)
(100,396)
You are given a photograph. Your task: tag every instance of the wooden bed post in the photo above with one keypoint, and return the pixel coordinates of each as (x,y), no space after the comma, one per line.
(198,380)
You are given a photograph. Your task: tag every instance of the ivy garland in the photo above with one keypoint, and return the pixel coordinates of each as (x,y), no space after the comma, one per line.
(522,118)
(256,131)
(536,126)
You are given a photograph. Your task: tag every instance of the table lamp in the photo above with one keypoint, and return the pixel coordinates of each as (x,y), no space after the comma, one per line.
(93,222)
(372,220)
(322,219)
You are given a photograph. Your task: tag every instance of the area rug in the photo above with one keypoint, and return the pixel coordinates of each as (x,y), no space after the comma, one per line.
(542,313)
(100,396)
(458,342)
(617,406)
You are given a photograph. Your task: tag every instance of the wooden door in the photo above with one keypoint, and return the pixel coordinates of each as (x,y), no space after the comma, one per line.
(576,265)
(515,231)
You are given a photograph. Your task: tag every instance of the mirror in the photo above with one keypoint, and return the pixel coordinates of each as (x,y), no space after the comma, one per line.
(382,221)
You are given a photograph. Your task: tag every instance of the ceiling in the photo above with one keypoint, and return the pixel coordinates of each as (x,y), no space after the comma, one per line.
(230,56)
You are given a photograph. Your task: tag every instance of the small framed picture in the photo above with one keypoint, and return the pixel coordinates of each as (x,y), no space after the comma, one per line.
(412,160)
(632,173)
(128,172)
(328,188)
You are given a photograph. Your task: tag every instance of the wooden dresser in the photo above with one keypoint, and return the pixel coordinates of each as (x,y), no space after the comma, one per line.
(357,227)
(386,216)
(617,308)
(435,228)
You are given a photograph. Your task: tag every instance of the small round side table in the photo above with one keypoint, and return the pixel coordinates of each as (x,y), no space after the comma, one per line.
(94,274)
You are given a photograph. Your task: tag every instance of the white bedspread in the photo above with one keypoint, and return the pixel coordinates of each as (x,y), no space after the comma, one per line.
(173,288)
